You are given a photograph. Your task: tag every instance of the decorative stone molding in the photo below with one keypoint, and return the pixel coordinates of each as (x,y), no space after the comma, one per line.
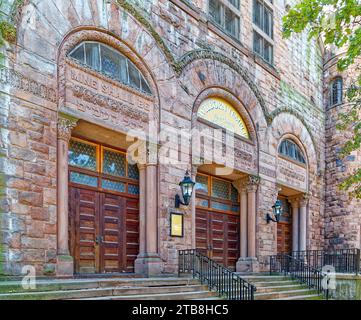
(65,125)
(17,80)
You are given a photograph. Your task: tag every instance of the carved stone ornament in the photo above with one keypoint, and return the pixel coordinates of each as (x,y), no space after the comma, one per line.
(65,125)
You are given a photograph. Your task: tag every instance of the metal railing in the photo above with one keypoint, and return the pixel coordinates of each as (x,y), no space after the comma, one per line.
(218,278)
(344,261)
(299,270)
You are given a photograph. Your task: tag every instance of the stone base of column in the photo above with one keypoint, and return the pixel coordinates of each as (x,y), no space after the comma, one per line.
(248,264)
(64,266)
(148,265)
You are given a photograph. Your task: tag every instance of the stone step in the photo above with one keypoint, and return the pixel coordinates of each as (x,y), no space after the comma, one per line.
(101,292)
(261,284)
(264,278)
(277,288)
(78,284)
(198,295)
(283,294)
(304,297)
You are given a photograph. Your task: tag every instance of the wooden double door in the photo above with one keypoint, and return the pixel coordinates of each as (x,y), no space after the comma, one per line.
(217,235)
(104,231)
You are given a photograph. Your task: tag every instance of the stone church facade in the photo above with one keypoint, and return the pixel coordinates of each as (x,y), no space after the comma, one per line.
(76,202)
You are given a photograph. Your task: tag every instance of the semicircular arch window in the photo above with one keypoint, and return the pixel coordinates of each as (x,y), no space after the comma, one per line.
(224,115)
(291,150)
(111,63)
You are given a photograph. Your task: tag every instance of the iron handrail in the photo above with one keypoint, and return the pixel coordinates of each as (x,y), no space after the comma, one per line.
(299,270)
(217,277)
(343,260)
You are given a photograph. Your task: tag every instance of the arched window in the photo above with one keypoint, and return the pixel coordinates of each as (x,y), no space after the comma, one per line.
(111,63)
(336,91)
(291,150)
(224,115)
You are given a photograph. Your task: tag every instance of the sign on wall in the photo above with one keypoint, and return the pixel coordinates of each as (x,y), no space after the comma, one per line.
(176,225)
(223,114)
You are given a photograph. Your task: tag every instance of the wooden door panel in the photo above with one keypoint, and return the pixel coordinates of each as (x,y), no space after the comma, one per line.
(84,212)
(132,233)
(220,233)
(112,225)
(284,237)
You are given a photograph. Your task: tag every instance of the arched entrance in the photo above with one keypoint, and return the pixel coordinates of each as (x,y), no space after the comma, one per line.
(103,206)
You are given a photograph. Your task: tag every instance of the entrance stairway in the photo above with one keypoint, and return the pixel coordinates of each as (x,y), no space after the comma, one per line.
(118,288)
(279,287)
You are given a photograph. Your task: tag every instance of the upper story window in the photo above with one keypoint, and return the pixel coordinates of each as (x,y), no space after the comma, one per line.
(263,29)
(291,150)
(336,91)
(226,14)
(111,63)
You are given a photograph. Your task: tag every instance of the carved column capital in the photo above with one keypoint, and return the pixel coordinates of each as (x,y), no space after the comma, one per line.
(252,183)
(304,200)
(240,184)
(294,201)
(65,125)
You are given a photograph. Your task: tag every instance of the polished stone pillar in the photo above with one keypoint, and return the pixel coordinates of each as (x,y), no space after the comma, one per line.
(295,225)
(139,263)
(151,264)
(243,222)
(251,208)
(249,263)
(303,223)
(65,263)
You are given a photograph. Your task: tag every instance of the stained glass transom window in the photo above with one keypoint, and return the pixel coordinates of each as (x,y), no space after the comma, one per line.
(202,184)
(111,63)
(84,179)
(114,163)
(291,150)
(113,185)
(133,171)
(220,189)
(133,189)
(82,155)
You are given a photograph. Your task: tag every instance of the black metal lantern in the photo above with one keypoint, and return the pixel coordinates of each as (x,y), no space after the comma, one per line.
(277,212)
(187,186)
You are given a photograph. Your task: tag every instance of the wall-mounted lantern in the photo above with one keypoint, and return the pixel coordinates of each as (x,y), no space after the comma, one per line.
(187,186)
(277,212)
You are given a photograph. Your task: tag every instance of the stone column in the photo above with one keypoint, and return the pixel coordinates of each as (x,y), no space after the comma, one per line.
(65,263)
(295,225)
(244,225)
(251,208)
(240,185)
(250,263)
(138,264)
(303,222)
(151,264)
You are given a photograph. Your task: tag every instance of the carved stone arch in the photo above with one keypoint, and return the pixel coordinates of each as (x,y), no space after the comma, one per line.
(287,125)
(201,74)
(79,35)
(190,57)
(222,93)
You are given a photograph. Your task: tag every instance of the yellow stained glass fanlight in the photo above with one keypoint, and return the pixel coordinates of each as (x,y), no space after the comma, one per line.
(223,114)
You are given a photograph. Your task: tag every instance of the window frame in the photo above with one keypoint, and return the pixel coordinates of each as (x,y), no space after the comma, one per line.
(99,174)
(261,33)
(100,44)
(210,198)
(222,26)
(331,102)
(290,158)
